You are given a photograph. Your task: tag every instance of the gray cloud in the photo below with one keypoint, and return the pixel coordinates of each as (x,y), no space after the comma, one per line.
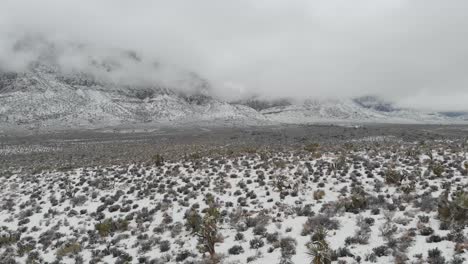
(414,52)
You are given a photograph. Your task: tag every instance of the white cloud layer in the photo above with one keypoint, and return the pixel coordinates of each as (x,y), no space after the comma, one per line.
(414,52)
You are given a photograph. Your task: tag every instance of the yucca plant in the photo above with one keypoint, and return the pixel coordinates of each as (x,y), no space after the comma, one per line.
(320,234)
(320,252)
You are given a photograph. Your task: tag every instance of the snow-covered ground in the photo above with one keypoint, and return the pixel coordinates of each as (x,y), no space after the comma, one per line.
(379,202)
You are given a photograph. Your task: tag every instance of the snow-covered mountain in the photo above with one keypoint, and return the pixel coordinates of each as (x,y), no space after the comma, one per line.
(364,109)
(44,98)
(121,88)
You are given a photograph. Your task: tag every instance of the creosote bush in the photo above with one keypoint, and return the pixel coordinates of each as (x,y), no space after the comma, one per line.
(109,226)
(69,249)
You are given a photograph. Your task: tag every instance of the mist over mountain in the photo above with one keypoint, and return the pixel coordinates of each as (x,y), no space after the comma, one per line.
(70,85)
(412,53)
(155,62)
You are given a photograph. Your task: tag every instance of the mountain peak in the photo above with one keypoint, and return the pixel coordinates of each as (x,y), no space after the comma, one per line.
(375,103)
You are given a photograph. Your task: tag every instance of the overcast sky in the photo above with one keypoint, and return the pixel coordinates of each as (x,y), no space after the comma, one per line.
(414,52)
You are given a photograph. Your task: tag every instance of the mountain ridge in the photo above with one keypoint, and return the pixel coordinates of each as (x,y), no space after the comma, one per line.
(43,97)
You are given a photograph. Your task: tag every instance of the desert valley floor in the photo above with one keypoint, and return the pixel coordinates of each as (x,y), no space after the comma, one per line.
(283,194)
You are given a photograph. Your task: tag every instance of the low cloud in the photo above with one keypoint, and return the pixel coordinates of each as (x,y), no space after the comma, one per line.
(413,52)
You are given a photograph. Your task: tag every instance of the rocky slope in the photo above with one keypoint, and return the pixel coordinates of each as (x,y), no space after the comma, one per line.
(44,97)
(41,98)
(366,109)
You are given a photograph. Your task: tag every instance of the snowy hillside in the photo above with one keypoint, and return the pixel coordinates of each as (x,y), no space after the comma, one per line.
(354,110)
(41,98)
(45,97)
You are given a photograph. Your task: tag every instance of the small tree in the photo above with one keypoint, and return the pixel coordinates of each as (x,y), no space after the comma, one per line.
(207,229)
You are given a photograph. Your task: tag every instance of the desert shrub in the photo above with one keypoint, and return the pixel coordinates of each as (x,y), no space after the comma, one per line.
(426,203)
(164,245)
(387,230)
(256,243)
(9,237)
(285,260)
(317,221)
(193,220)
(158,160)
(457,260)
(312,147)
(259,230)
(46,238)
(456,235)
(369,221)
(69,249)
(25,245)
(34,257)
(305,210)
(319,194)
(239,236)
(380,251)
(236,250)
(360,237)
(78,200)
(357,201)
(371,258)
(438,169)
(434,239)
(423,218)
(176,229)
(109,226)
(272,237)
(261,219)
(393,177)
(182,255)
(434,256)
(341,252)
(426,231)
(456,210)
(288,247)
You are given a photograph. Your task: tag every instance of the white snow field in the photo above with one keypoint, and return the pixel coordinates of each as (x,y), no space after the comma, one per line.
(378,202)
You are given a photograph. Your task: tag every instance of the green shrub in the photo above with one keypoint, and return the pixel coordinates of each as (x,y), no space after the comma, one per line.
(158,160)
(69,249)
(393,177)
(357,201)
(313,147)
(319,194)
(455,210)
(438,169)
(110,226)
(10,238)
